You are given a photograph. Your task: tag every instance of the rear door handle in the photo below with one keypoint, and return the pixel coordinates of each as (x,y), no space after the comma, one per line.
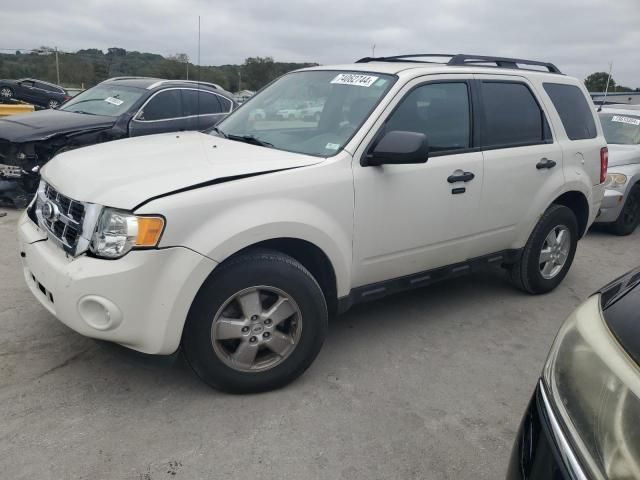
(461,177)
(545,163)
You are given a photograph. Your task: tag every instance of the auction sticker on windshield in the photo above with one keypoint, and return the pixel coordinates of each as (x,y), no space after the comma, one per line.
(354,79)
(114,101)
(629,120)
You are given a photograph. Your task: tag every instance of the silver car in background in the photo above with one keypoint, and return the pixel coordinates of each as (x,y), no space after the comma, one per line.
(621,205)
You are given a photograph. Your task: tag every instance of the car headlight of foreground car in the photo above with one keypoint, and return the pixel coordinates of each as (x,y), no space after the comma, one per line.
(595,387)
(118,232)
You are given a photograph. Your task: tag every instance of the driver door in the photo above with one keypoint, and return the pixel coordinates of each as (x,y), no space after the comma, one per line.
(412,218)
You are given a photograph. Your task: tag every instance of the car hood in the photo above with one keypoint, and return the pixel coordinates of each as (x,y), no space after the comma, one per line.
(44,124)
(126,173)
(623,154)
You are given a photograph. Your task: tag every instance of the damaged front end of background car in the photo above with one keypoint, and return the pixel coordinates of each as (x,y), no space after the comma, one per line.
(22,159)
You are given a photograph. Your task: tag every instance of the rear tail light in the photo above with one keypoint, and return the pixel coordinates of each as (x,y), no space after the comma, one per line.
(604,163)
(67,97)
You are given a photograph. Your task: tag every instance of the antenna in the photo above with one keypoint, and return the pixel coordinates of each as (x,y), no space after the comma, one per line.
(606,90)
(198,66)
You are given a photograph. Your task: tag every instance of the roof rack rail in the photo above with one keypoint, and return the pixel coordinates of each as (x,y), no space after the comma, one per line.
(125,78)
(463,59)
(160,82)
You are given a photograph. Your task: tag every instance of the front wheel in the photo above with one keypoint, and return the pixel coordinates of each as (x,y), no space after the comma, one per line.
(6,92)
(549,252)
(629,217)
(257,323)
(53,103)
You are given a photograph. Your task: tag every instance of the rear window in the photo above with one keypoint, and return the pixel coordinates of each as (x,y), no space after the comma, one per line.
(512,115)
(574,111)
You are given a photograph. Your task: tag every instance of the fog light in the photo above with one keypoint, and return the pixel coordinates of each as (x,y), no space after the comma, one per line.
(99,313)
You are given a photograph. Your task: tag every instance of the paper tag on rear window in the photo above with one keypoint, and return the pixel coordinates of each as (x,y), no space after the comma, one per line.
(114,101)
(629,120)
(354,79)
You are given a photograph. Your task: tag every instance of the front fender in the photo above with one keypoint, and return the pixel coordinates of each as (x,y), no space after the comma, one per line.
(221,220)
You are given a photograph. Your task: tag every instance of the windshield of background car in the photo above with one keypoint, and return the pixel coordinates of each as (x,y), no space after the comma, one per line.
(109,100)
(311,112)
(621,129)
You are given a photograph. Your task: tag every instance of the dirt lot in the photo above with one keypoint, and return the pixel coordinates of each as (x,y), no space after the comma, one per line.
(429,384)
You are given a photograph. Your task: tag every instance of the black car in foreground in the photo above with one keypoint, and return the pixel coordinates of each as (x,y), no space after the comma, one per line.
(116,108)
(583,421)
(36,92)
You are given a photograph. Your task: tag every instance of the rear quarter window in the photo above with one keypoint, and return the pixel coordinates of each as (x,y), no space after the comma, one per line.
(573,109)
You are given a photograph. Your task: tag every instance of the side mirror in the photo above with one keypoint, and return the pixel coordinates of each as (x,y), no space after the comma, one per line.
(398,147)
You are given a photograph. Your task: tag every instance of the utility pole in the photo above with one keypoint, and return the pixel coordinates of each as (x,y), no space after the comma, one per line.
(239,80)
(57,67)
(187,68)
(373,50)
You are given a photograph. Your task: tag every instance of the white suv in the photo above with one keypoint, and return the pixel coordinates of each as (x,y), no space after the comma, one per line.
(239,244)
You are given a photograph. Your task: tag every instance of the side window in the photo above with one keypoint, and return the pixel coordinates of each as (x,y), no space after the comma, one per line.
(512,115)
(573,109)
(199,103)
(48,88)
(225,104)
(27,83)
(163,106)
(440,111)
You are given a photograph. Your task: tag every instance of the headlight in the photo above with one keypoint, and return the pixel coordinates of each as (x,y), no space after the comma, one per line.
(119,231)
(615,180)
(595,388)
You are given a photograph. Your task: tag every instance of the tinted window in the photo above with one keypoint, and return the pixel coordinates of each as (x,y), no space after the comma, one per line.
(512,115)
(47,87)
(573,109)
(164,105)
(225,104)
(27,83)
(208,103)
(440,111)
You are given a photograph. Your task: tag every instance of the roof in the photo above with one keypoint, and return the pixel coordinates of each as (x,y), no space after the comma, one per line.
(395,68)
(150,83)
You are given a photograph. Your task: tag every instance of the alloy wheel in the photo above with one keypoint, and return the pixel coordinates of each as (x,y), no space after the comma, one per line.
(6,92)
(256,329)
(555,251)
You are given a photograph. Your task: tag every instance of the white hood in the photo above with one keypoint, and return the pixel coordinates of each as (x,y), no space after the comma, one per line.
(623,154)
(125,173)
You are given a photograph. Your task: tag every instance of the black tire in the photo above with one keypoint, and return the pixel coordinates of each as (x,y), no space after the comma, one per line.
(526,273)
(629,217)
(255,268)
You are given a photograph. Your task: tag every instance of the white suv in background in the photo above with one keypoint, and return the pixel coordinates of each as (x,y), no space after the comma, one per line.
(239,244)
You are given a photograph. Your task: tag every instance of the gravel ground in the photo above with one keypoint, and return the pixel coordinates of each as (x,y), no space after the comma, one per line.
(429,384)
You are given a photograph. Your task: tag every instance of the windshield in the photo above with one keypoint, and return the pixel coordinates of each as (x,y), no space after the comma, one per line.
(109,100)
(311,112)
(621,129)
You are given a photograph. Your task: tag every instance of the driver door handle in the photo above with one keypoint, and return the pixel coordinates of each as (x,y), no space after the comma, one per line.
(545,163)
(462,177)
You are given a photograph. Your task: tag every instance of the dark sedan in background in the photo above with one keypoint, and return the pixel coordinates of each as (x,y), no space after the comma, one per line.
(583,421)
(36,92)
(116,108)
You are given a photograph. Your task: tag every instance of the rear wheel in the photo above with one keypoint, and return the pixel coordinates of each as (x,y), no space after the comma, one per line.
(257,323)
(629,217)
(549,252)
(53,103)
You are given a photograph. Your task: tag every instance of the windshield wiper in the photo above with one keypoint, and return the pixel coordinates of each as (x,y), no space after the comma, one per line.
(249,139)
(219,132)
(82,111)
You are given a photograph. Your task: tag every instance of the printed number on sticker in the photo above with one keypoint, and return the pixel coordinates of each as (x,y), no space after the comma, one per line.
(629,120)
(354,79)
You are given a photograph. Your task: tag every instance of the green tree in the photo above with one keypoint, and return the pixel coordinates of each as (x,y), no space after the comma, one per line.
(597,82)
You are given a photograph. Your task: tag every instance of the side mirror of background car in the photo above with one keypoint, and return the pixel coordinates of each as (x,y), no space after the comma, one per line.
(398,147)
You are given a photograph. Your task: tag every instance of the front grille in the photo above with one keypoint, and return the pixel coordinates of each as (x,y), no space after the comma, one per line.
(65,219)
